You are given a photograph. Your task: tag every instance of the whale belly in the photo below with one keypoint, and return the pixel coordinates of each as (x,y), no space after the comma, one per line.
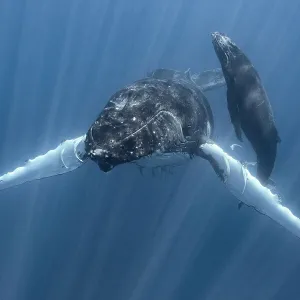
(163,160)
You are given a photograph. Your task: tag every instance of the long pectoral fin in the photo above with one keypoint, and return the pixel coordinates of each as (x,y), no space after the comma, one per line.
(209,79)
(255,195)
(65,158)
(221,169)
(233,109)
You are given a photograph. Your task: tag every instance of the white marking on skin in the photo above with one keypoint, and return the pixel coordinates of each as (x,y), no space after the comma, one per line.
(233,146)
(119,105)
(208,129)
(99,151)
(244,173)
(225,42)
(261,103)
(61,157)
(227,166)
(134,103)
(244,167)
(250,163)
(92,137)
(158,114)
(75,151)
(225,39)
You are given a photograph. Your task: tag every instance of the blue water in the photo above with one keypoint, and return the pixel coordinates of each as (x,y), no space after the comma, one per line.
(90,235)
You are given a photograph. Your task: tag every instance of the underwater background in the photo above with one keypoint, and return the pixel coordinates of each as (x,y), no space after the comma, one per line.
(124,235)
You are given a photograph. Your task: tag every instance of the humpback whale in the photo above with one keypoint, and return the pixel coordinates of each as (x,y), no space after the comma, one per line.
(248,104)
(151,119)
(71,153)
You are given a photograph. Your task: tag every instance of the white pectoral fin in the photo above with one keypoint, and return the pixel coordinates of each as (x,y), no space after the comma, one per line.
(248,189)
(65,158)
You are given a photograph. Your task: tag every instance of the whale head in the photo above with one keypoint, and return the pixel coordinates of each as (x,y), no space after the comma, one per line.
(229,54)
(143,120)
(119,135)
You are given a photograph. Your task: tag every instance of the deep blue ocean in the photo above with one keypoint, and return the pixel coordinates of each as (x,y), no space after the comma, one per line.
(122,236)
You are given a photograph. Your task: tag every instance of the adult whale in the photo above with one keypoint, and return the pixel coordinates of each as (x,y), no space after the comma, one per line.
(152,122)
(248,104)
(73,153)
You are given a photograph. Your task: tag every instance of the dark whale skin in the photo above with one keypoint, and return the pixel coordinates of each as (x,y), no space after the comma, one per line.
(248,104)
(150,116)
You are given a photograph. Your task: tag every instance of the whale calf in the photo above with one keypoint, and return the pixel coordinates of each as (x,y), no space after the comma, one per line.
(248,104)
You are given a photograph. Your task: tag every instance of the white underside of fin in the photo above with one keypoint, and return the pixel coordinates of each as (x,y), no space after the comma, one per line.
(248,189)
(244,173)
(63,159)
